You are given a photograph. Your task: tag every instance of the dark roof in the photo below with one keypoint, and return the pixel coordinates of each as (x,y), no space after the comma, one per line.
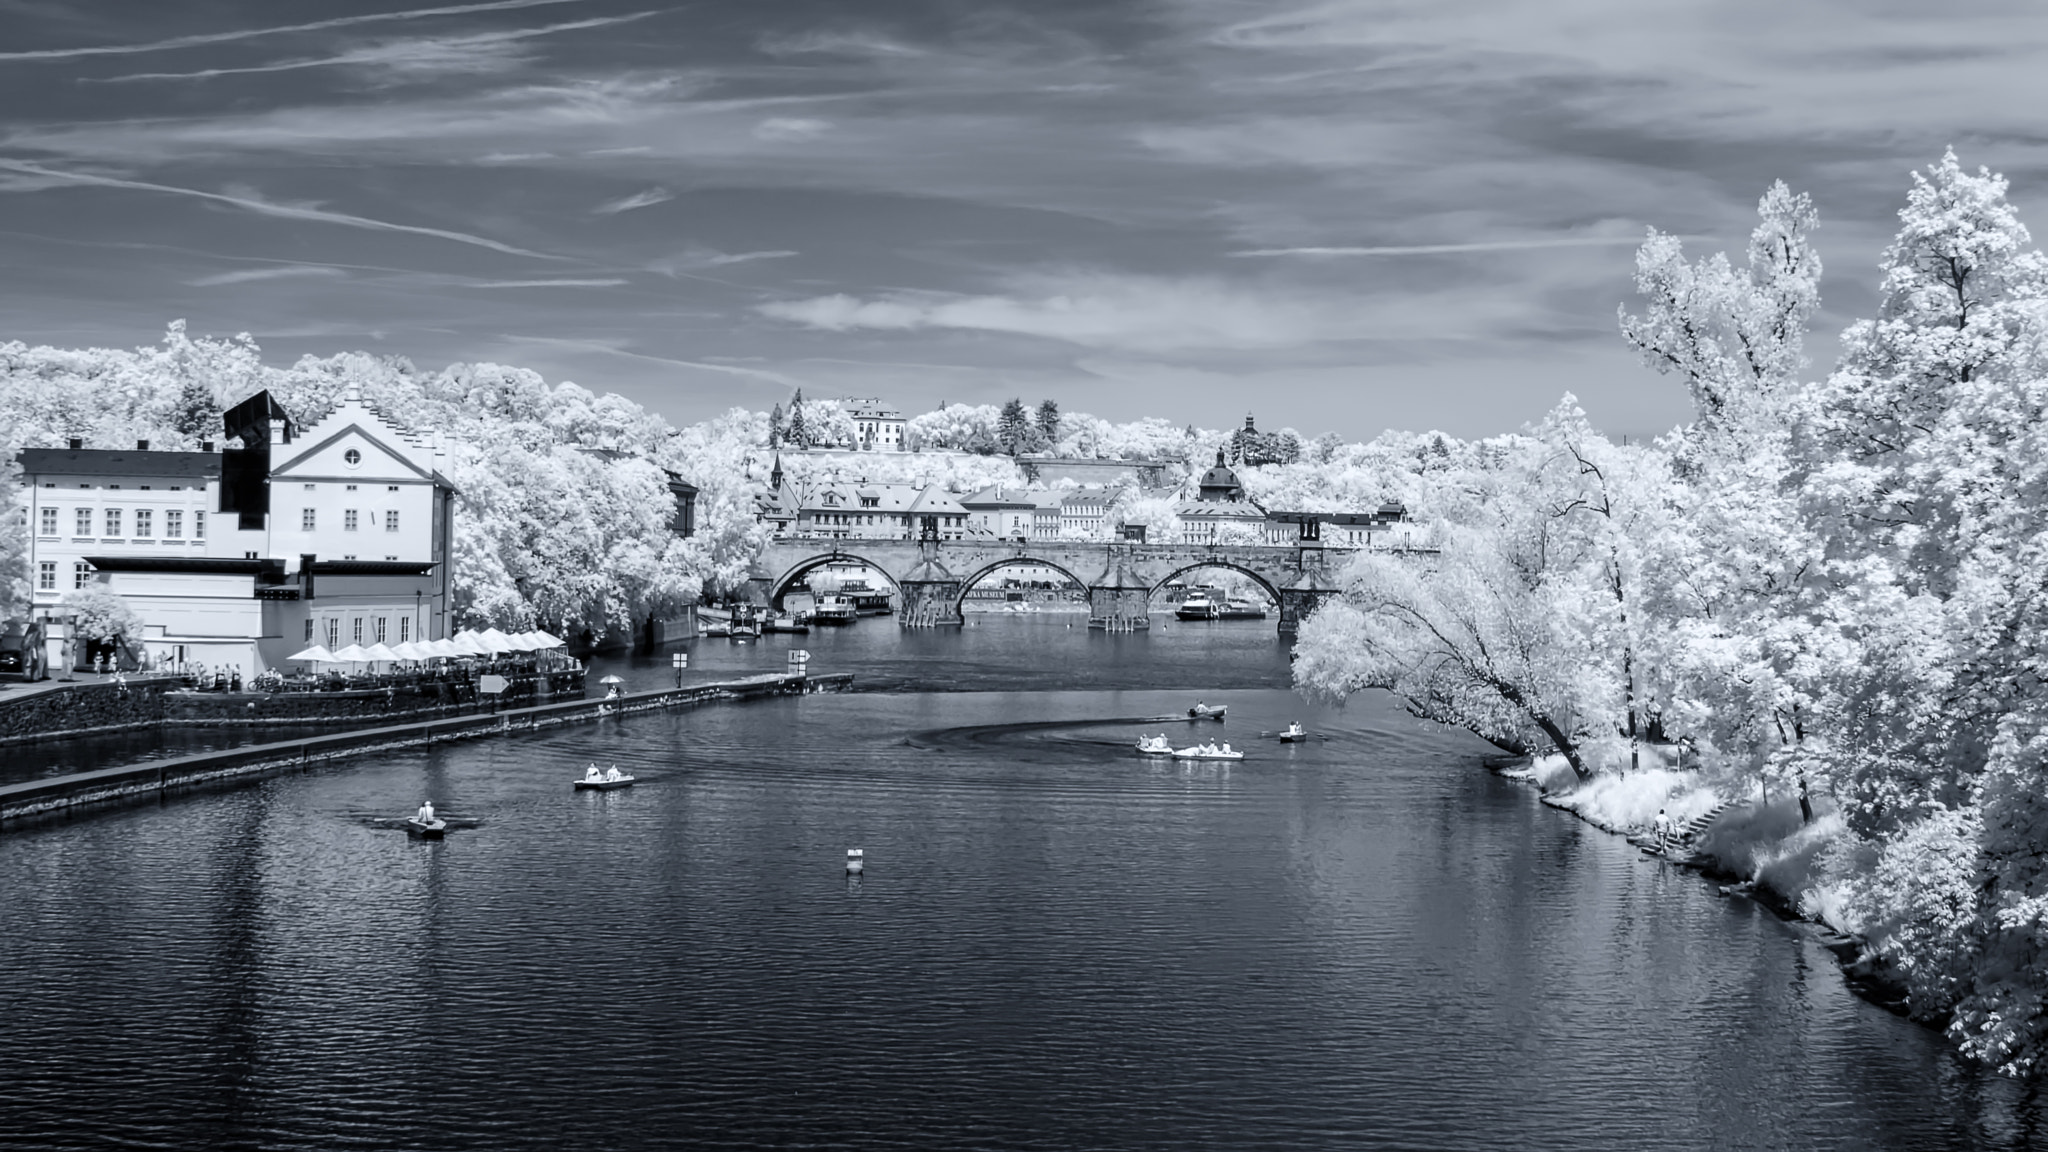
(198,467)
(194,564)
(373,567)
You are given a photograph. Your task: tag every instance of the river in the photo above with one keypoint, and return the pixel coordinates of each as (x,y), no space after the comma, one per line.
(1364,941)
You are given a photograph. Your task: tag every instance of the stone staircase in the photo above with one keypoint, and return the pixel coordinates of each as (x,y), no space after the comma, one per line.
(1679,845)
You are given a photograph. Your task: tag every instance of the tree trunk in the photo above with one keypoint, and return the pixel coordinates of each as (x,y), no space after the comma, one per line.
(1564,745)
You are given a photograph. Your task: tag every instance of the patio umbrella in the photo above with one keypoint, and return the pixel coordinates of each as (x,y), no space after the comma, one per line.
(546,641)
(353,654)
(378,652)
(443,648)
(495,640)
(521,642)
(612,680)
(318,654)
(466,644)
(407,651)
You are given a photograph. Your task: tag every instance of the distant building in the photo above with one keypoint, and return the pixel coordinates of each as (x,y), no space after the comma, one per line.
(864,511)
(1004,513)
(339,535)
(1084,513)
(876,426)
(1220,511)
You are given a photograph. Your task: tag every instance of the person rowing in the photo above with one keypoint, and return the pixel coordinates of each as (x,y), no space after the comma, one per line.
(592,774)
(612,773)
(426,813)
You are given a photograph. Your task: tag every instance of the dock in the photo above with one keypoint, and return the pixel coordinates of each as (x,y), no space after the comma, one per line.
(155,779)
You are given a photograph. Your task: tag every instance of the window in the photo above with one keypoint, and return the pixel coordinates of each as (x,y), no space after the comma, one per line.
(391,520)
(144,522)
(81,574)
(358,635)
(391,557)
(144,487)
(49,522)
(309,487)
(352,457)
(309,629)
(83,526)
(333,632)
(348,520)
(113,522)
(199,525)
(404,629)
(391,487)
(46,576)
(380,629)
(308,519)
(350,488)
(248,556)
(174,523)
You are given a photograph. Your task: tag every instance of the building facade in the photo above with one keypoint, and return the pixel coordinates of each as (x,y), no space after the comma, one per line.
(341,534)
(876,426)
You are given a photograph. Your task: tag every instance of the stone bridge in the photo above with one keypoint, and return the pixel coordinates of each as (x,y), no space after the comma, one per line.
(933,576)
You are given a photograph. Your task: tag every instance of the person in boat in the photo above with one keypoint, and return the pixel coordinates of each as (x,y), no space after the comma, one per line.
(591,773)
(426,813)
(612,773)
(1226,748)
(1198,709)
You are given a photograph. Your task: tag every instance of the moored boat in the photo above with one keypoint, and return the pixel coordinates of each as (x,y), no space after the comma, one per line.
(786,623)
(1236,609)
(833,610)
(1196,606)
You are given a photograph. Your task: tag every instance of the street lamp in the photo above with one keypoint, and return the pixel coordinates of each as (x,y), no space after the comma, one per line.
(680,660)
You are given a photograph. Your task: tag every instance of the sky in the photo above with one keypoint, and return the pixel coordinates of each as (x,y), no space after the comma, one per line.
(1343,216)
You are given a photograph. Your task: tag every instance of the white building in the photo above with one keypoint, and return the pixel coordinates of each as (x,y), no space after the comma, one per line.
(338,535)
(876,426)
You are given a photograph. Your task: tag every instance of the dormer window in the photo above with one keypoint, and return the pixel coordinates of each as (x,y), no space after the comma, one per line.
(831,500)
(871,501)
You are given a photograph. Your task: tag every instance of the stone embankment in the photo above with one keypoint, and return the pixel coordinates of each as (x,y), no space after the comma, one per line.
(90,709)
(63,795)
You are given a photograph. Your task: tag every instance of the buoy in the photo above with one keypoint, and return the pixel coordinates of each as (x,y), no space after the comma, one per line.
(853,859)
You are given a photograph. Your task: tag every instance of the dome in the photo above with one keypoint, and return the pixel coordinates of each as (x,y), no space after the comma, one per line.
(1220,483)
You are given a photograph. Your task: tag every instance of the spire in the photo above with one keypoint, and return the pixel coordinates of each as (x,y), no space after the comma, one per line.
(1219,457)
(775,477)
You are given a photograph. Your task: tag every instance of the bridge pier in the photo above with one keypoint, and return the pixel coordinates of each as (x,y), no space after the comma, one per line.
(1296,604)
(1120,609)
(929,603)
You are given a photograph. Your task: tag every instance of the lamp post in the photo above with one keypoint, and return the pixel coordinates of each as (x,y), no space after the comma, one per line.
(680,660)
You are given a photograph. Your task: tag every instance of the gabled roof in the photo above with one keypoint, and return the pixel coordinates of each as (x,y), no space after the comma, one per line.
(997,497)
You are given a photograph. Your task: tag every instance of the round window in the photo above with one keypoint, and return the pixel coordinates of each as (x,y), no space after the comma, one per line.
(353,457)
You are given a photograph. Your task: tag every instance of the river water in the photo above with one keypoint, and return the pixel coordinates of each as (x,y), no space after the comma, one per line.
(1364,941)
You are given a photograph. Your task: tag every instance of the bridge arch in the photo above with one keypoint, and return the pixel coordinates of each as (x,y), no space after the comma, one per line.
(1177,573)
(987,570)
(779,587)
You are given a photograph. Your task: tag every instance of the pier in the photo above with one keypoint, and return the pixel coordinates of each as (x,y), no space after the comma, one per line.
(131,783)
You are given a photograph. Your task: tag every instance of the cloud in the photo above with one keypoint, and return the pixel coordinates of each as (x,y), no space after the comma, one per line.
(866,44)
(1448,249)
(608,349)
(605,282)
(712,258)
(413,58)
(252,33)
(249,275)
(637,200)
(783,129)
(281,211)
(1149,314)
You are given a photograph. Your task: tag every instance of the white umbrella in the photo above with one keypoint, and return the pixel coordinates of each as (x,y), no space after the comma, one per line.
(495,640)
(466,644)
(444,647)
(318,654)
(547,641)
(379,652)
(522,642)
(353,654)
(407,651)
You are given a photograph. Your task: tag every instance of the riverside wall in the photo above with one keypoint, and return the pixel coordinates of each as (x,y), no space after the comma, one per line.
(64,795)
(96,708)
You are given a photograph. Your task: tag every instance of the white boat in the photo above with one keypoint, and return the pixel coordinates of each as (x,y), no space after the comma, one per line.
(1155,746)
(1204,752)
(602,784)
(426,830)
(1294,734)
(856,860)
(1204,712)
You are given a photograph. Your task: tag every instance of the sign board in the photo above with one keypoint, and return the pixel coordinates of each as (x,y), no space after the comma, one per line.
(799,656)
(491,685)
(680,659)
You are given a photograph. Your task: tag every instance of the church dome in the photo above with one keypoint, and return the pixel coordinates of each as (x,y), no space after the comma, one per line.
(1220,483)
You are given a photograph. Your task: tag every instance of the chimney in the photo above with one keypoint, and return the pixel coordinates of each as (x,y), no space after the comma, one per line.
(306,575)
(142,445)
(280,431)
(206,445)
(77,443)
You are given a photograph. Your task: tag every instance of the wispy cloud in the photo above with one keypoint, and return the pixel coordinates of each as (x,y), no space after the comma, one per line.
(1446,249)
(838,44)
(204,38)
(607,282)
(786,129)
(281,211)
(250,275)
(712,258)
(645,199)
(409,58)
(600,346)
